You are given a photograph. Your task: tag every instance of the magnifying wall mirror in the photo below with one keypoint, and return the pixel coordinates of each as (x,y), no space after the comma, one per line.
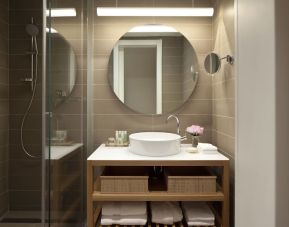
(213,62)
(153,69)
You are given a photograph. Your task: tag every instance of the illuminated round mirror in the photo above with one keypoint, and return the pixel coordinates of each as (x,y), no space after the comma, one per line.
(153,69)
(212,63)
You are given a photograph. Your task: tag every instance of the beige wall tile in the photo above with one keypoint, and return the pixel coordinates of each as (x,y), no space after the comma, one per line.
(133,3)
(202,46)
(110,107)
(100,76)
(224,107)
(202,92)
(172,21)
(104,46)
(105,3)
(225,125)
(159,122)
(123,122)
(101,62)
(173,3)
(196,107)
(204,3)
(225,143)
(104,92)
(224,89)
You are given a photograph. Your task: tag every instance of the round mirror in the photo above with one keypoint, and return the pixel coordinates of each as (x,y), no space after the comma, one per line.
(153,69)
(212,63)
(63,68)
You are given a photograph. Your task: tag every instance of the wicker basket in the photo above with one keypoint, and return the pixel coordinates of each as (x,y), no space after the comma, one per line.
(124,180)
(192,180)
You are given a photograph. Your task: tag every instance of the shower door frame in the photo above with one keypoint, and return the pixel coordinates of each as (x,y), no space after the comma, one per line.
(44,115)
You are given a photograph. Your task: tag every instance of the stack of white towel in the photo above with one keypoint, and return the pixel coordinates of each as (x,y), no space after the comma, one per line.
(198,214)
(166,213)
(207,148)
(124,213)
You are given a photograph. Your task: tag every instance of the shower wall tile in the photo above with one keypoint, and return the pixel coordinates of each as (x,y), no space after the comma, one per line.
(20,14)
(4,105)
(109,114)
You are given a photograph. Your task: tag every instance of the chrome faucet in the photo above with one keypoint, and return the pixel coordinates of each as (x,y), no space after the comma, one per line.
(178,122)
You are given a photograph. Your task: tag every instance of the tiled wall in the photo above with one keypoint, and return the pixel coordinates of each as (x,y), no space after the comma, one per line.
(4,104)
(109,114)
(24,172)
(223,112)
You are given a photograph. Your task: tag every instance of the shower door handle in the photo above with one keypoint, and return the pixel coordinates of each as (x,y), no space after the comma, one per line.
(49,114)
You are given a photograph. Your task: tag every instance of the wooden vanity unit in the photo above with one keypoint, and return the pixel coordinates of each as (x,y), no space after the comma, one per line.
(120,157)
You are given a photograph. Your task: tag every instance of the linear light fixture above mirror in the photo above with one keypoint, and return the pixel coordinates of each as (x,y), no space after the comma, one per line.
(158,12)
(152,28)
(61,12)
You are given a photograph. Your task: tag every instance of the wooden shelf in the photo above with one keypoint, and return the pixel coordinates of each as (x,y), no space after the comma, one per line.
(157,196)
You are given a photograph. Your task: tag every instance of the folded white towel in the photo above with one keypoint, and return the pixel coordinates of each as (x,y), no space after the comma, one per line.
(198,212)
(166,213)
(124,219)
(124,208)
(207,147)
(201,223)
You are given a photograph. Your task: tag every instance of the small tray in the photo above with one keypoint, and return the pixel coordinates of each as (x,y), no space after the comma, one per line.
(116,145)
(63,143)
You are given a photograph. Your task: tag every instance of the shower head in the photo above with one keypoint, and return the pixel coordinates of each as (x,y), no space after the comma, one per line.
(32,29)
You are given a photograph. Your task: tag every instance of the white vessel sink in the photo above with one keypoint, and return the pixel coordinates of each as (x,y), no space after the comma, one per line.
(155,143)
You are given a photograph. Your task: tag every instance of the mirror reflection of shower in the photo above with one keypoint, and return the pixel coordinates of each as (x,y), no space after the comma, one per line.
(33,31)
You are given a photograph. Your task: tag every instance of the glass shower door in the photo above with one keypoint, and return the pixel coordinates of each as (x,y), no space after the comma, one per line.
(64,107)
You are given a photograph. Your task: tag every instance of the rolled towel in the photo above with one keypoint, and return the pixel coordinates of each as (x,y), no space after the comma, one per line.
(124,219)
(124,208)
(166,213)
(198,212)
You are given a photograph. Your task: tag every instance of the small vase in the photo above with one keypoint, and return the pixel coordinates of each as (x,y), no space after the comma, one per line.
(195,141)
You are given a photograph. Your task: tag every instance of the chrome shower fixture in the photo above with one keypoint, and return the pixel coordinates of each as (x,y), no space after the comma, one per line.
(33,31)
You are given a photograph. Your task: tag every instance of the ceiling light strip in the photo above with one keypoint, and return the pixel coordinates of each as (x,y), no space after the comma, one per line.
(61,12)
(160,12)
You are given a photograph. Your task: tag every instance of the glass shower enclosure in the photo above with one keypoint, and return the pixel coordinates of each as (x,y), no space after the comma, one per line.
(64,158)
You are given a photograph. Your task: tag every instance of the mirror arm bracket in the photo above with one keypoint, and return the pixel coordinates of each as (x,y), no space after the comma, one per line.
(229,59)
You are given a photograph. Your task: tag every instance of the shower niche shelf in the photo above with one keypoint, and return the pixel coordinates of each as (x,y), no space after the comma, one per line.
(120,158)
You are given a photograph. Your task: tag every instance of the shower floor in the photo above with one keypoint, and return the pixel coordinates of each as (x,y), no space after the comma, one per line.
(21,217)
(20,225)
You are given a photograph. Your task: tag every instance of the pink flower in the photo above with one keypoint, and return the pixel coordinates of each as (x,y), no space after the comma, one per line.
(195,130)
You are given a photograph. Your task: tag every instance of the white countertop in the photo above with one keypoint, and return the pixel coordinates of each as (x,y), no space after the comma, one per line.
(103,153)
(58,152)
